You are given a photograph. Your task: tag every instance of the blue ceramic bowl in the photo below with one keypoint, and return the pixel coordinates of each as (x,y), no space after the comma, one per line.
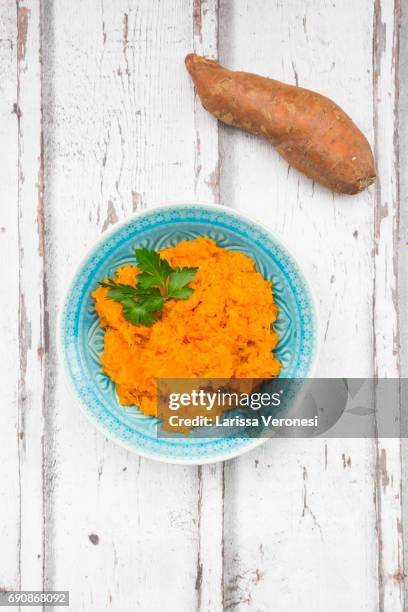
(81,338)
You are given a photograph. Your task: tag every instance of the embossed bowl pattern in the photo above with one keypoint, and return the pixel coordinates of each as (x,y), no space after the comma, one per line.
(81,338)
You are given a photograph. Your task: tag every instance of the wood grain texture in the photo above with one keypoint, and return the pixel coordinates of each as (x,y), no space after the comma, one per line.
(100,120)
(402,70)
(303,514)
(210,559)
(386,323)
(9,303)
(121,134)
(22,244)
(31,310)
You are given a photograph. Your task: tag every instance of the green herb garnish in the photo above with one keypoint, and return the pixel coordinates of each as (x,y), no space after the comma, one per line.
(157,283)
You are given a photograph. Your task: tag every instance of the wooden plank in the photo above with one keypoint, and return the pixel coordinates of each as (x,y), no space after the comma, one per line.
(210,570)
(388,499)
(301,517)
(403,250)
(121,133)
(31,311)
(402,84)
(207,163)
(9,300)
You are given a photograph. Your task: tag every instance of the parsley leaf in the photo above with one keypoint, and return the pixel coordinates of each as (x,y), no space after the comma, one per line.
(136,313)
(156,283)
(119,291)
(182,294)
(179,278)
(137,305)
(153,302)
(155,271)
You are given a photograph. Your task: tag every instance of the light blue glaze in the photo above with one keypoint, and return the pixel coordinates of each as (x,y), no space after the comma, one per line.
(81,340)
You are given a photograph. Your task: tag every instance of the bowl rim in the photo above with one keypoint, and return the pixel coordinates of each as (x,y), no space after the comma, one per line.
(94,246)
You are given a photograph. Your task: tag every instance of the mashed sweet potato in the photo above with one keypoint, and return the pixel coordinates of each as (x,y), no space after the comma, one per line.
(224,330)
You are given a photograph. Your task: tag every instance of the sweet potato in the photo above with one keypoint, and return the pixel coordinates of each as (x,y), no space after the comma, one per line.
(309,130)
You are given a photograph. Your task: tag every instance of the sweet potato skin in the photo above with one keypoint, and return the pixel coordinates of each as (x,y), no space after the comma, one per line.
(309,130)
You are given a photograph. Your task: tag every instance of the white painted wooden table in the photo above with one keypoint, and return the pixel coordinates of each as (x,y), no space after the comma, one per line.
(98,119)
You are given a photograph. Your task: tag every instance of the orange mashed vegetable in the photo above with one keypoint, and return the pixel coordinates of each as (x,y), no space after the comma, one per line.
(223,330)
